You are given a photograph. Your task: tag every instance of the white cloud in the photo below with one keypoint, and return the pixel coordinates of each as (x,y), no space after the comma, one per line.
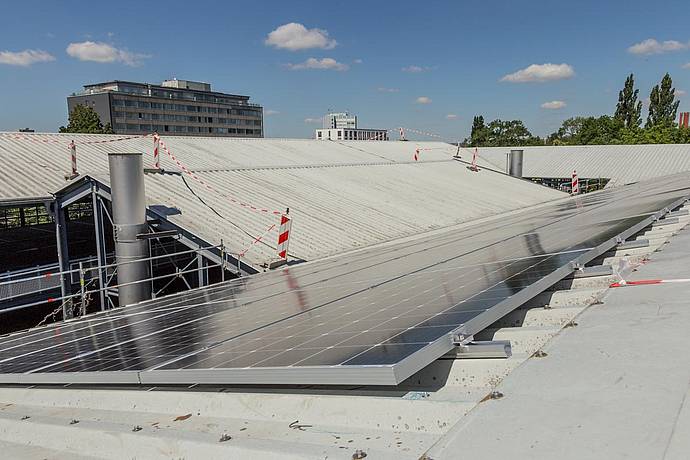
(541,73)
(271,112)
(652,46)
(312,121)
(104,53)
(295,36)
(451,116)
(423,100)
(383,89)
(319,64)
(681,92)
(415,69)
(686,66)
(25,58)
(357,61)
(553,105)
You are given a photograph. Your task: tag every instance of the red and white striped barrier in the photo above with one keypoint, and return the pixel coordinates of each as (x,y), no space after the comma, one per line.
(473,165)
(73,155)
(574,184)
(402,134)
(624,283)
(156,159)
(416,154)
(284,236)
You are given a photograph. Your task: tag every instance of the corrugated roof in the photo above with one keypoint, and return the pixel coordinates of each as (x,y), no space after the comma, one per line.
(341,195)
(623,164)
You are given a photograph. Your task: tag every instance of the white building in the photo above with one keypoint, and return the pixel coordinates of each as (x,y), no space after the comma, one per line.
(340,120)
(352,134)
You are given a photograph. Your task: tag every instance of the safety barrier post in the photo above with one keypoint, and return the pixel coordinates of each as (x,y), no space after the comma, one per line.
(574,184)
(72,147)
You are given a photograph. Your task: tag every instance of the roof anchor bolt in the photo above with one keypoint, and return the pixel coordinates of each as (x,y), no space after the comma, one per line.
(225,437)
(539,354)
(359,454)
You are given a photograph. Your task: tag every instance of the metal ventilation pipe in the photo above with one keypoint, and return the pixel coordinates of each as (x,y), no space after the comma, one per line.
(129,220)
(515,163)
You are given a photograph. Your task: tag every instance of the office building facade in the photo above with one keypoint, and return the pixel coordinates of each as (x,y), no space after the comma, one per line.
(175,107)
(340,120)
(344,134)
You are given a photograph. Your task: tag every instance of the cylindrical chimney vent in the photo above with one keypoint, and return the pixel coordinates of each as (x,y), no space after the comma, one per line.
(129,220)
(515,163)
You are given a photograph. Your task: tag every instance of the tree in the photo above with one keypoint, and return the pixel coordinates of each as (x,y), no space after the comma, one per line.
(479,133)
(568,130)
(628,109)
(510,133)
(599,130)
(84,119)
(662,104)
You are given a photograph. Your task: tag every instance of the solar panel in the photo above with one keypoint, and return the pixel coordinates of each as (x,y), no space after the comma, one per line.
(371,317)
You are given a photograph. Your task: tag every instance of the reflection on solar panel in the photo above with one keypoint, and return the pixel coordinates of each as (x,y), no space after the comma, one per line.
(373,317)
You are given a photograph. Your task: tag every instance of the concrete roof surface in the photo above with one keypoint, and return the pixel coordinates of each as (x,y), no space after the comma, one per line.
(616,386)
(342,195)
(623,164)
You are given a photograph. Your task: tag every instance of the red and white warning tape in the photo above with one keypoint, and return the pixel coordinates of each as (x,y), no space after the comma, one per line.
(416,131)
(256,240)
(44,140)
(624,283)
(208,186)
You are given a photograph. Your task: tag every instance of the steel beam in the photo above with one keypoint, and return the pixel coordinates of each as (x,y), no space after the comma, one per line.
(639,243)
(590,272)
(482,349)
(63,256)
(667,221)
(99,232)
(679,212)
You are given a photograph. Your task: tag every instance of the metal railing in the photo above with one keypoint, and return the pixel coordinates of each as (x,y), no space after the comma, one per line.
(86,276)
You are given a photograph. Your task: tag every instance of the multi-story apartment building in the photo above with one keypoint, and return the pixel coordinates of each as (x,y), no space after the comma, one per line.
(175,107)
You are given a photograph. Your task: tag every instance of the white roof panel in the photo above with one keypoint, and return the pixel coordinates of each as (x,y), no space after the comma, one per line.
(342,195)
(623,164)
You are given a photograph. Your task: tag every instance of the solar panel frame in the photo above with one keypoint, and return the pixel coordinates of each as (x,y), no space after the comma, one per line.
(384,374)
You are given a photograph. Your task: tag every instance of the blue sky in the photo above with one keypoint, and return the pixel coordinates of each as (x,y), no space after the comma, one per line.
(349,56)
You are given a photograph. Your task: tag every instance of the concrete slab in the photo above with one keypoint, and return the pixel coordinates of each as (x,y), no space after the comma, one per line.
(615,387)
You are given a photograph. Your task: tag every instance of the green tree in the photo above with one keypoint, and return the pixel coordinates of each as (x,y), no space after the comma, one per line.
(84,119)
(479,133)
(510,133)
(568,130)
(628,109)
(599,130)
(662,104)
